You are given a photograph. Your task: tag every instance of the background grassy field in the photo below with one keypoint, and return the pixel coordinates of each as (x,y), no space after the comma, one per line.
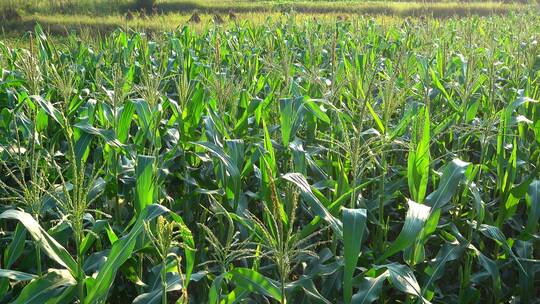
(61,16)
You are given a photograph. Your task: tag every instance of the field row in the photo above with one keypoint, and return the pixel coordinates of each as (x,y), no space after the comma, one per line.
(286,162)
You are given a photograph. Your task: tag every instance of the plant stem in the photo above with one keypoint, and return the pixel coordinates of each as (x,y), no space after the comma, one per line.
(283,298)
(116,185)
(38,252)
(140,270)
(38,259)
(164,281)
(80,271)
(80,283)
(381,202)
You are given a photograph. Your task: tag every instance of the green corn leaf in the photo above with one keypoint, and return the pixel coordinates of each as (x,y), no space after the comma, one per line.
(533,201)
(16,275)
(12,253)
(43,289)
(189,248)
(452,175)
(16,247)
(269,147)
(403,279)
(214,294)
(439,86)
(236,151)
(447,253)
(242,123)
(49,245)
(419,158)
(316,110)
(369,289)
(128,80)
(524,250)
(68,295)
(496,234)
(49,109)
(292,112)
(107,135)
(354,224)
(536,129)
(235,296)
(491,267)
(46,48)
(414,223)
(144,113)
(268,167)
(233,171)
(90,238)
(174,282)
(375,117)
(124,122)
(320,210)
(146,188)
(245,279)
(120,252)
(479,205)
(517,192)
(254,282)
(308,286)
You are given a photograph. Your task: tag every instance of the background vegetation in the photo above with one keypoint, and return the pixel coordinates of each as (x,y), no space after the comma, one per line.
(62,16)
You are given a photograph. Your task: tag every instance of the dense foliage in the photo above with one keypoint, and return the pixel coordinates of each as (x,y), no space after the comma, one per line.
(301,163)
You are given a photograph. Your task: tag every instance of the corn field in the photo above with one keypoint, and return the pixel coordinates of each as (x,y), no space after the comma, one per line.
(293,162)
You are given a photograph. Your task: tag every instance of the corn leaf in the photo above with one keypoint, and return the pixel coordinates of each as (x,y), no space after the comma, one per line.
(320,210)
(453,174)
(41,290)
(354,224)
(49,245)
(414,223)
(369,289)
(120,252)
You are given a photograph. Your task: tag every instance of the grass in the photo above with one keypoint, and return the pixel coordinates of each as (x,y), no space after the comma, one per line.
(287,161)
(105,7)
(64,24)
(108,15)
